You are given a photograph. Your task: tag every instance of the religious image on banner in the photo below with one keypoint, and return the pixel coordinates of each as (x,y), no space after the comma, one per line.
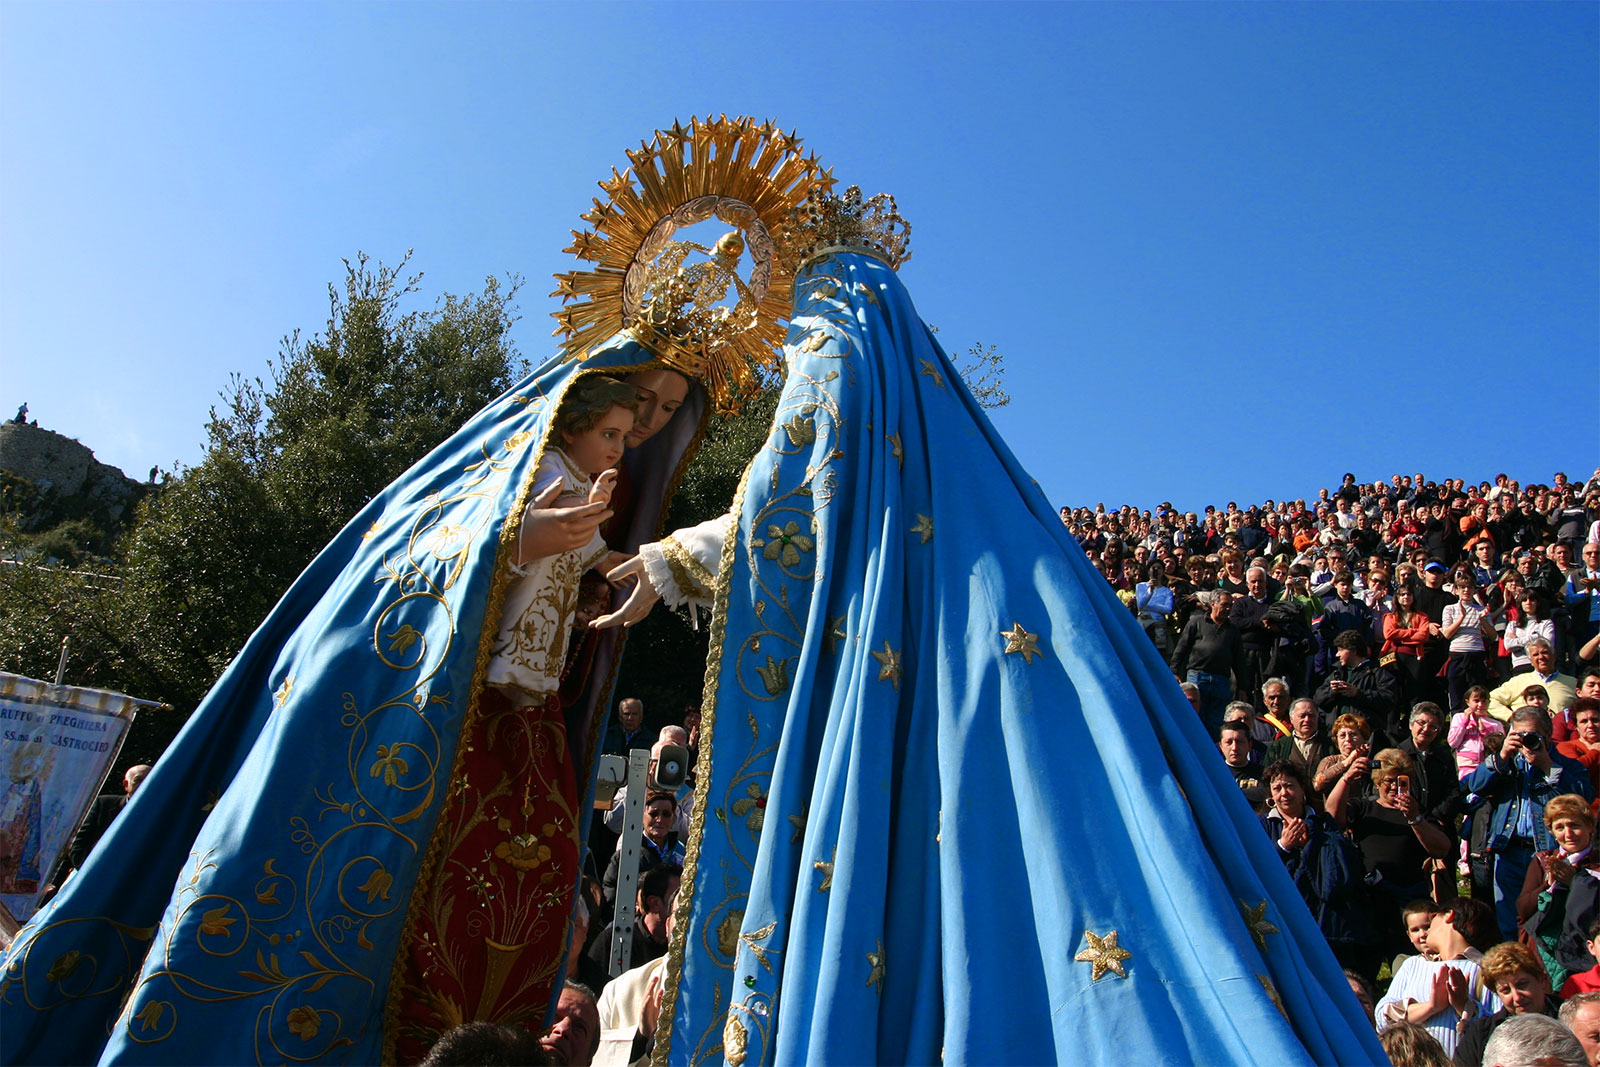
(57,744)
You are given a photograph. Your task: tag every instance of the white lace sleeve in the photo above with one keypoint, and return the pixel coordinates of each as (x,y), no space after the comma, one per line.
(683,566)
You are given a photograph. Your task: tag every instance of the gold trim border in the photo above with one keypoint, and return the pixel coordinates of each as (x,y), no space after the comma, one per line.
(702,789)
(495,602)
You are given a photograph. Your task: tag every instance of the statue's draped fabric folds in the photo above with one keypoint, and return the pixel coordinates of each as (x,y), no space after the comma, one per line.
(952,804)
(266,886)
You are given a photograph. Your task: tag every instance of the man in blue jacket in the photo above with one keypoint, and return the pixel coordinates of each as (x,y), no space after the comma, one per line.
(1517,782)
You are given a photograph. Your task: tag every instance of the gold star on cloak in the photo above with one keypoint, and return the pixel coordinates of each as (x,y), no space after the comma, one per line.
(1256,919)
(1020,640)
(1105,954)
(282,695)
(896,448)
(799,822)
(931,371)
(826,867)
(924,527)
(1272,994)
(890,669)
(878,961)
(835,634)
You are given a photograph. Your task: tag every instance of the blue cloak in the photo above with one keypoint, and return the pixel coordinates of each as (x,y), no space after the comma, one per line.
(951,803)
(295,808)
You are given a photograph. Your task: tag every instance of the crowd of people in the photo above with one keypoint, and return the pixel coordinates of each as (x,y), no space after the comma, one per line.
(1402,676)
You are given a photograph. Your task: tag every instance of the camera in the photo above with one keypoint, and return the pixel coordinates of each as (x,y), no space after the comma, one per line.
(1532,740)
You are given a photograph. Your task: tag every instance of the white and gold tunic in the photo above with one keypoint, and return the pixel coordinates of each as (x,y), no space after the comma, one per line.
(536,621)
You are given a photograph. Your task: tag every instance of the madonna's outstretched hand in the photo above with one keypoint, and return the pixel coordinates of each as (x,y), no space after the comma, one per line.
(639,602)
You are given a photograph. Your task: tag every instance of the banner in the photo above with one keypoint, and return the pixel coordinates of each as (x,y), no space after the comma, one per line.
(57,744)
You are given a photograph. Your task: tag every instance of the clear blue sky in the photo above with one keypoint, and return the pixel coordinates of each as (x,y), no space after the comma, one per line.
(1228,250)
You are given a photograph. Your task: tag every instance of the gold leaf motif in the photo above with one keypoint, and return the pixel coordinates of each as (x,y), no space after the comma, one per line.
(524,851)
(753,806)
(449,541)
(801,431)
(268,895)
(786,543)
(517,440)
(815,342)
(752,941)
(403,638)
(774,675)
(64,965)
(734,1041)
(728,933)
(304,1022)
(149,1016)
(377,885)
(216,921)
(389,764)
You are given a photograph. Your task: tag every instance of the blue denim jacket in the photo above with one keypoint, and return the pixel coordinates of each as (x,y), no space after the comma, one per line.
(1503,787)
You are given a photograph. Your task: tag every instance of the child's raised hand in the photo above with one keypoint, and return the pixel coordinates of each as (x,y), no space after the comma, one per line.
(603,487)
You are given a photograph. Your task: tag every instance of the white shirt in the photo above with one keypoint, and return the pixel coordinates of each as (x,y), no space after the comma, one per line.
(1414,982)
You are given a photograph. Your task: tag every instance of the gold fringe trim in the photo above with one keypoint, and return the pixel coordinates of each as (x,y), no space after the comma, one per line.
(702,789)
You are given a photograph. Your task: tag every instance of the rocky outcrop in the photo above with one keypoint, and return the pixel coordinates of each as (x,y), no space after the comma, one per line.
(50,478)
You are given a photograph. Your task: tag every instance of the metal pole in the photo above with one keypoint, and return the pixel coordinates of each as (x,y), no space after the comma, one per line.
(628,864)
(61,666)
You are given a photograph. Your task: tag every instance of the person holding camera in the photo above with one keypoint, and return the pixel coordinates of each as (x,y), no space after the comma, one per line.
(1516,783)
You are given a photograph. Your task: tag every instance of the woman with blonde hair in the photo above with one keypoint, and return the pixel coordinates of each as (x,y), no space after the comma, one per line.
(1395,840)
(1543,904)
(1410,1045)
(1353,736)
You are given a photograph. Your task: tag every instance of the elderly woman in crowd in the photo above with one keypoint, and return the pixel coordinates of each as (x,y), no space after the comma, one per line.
(1395,838)
(1542,906)
(1315,855)
(1512,972)
(1353,737)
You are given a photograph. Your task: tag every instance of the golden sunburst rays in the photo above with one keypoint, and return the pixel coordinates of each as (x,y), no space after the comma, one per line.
(750,176)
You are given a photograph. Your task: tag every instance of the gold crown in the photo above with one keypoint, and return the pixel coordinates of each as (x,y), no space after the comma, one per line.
(826,223)
(751,177)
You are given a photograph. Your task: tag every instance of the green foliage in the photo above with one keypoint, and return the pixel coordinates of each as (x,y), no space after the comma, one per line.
(288,461)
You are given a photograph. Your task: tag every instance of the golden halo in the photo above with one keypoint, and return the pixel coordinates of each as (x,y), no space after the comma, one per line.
(747,175)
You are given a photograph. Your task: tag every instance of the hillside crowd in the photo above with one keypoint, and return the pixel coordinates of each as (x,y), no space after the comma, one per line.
(1402,677)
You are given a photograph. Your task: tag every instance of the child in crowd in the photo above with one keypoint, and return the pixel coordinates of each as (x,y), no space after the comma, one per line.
(1586,981)
(1473,731)
(1418,917)
(1439,990)
(1466,624)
